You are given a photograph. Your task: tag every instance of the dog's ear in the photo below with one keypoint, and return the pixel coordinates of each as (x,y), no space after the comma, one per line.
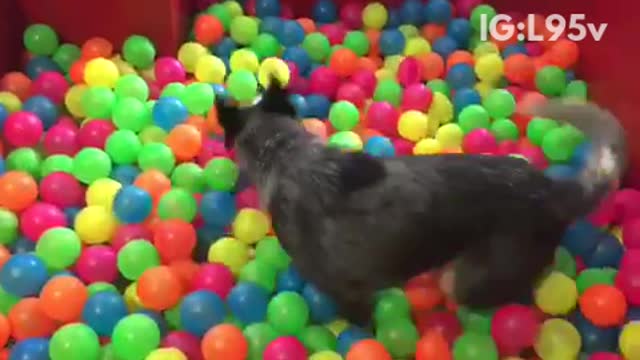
(230,121)
(275,99)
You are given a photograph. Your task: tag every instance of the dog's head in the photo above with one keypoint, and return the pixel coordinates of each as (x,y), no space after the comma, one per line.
(233,119)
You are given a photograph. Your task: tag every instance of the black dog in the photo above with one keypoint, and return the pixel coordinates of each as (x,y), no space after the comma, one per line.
(355,224)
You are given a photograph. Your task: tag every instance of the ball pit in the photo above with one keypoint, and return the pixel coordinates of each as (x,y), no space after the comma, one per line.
(127,231)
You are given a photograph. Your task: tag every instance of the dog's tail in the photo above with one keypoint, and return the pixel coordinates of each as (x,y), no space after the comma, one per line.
(603,162)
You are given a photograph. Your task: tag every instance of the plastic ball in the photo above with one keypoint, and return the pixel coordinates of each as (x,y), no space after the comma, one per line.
(628,341)
(243,29)
(97,264)
(374,16)
(23,275)
(221,174)
(471,346)
(139,51)
(63,298)
(242,85)
(95,225)
(285,348)
(103,310)
(603,305)
(479,141)
(40,39)
(168,70)
(248,302)
(514,328)
(91,164)
(273,67)
(135,257)
(288,312)
(558,339)
(317,46)
(201,310)
(134,337)
(31,348)
(557,294)
(413,125)
(23,129)
(594,338)
(551,80)
(101,72)
(166,354)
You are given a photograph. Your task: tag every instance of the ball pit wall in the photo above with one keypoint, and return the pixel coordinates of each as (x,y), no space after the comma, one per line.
(610,65)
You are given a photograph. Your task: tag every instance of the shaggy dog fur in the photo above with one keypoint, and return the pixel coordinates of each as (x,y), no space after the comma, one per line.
(355,224)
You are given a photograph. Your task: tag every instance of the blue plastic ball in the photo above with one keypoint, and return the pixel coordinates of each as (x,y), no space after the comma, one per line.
(132,205)
(322,308)
(581,238)
(465,97)
(225,47)
(248,302)
(607,253)
(460,30)
(561,172)
(318,106)
(40,64)
(289,280)
(299,104)
(292,34)
(350,336)
(70,213)
(438,12)
(298,56)
(4,114)
(379,146)
(514,49)
(22,245)
(23,275)
(325,11)
(200,311)
(595,338)
(30,349)
(272,25)
(461,76)
(220,91)
(392,42)
(445,46)
(411,12)
(158,318)
(168,112)
(103,310)
(266,8)
(125,174)
(218,208)
(42,107)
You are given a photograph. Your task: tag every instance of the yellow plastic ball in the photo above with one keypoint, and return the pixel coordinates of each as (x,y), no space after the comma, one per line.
(95,225)
(441,108)
(375,16)
(73,98)
(337,326)
(557,294)
(148,74)
(484,88)
(427,147)
(151,134)
(101,72)
(244,59)
(450,136)
(234,7)
(10,101)
(102,192)
(629,340)
(485,48)
(124,67)
(131,298)
(384,74)
(166,354)
(273,67)
(489,68)
(558,339)
(417,46)
(250,225)
(326,355)
(189,54)
(210,69)
(409,31)
(392,63)
(231,252)
(432,126)
(413,125)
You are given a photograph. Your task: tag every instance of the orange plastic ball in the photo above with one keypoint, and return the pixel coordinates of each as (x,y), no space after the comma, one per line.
(603,305)
(5,330)
(213,125)
(17,83)
(224,341)
(63,298)
(97,47)
(423,298)
(316,127)
(154,182)
(433,32)
(307,24)
(76,72)
(433,346)
(185,141)
(519,69)
(368,349)
(460,57)
(18,190)
(159,288)
(563,53)
(185,270)
(344,62)
(27,320)
(5,354)
(432,65)
(208,30)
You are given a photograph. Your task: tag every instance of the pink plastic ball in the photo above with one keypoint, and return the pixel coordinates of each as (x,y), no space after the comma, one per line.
(210,149)
(514,328)
(403,147)
(534,154)
(23,129)
(627,204)
(62,189)
(479,141)
(65,120)
(97,264)
(417,97)
(95,133)
(294,72)
(383,116)
(605,214)
(630,260)
(534,49)
(605,356)
(351,15)
(366,79)
(187,343)
(214,277)
(168,69)
(409,72)
(285,348)
(299,85)
(52,85)
(507,147)
(129,232)
(352,93)
(628,280)
(334,32)
(248,198)
(61,139)
(464,7)
(39,218)
(443,322)
(324,81)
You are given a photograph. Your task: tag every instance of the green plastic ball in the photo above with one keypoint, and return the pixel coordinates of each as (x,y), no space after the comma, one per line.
(222,13)
(595,276)
(75,341)
(389,91)
(259,336)
(156,156)
(98,287)
(25,159)
(198,98)
(131,85)
(221,174)
(505,129)
(557,145)
(343,115)
(242,85)
(59,248)
(357,41)
(318,338)
(174,90)
(243,29)
(439,86)
(98,102)
(136,257)
(478,321)
(139,51)
(123,146)
(134,337)
(551,81)
(538,128)
(66,55)
(473,117)
(56,163)
(132,114)
(391,304)
(399,336)
(40,39)
(188,176)
(173,317)
(565,262)
(91,164)
(345,140)
(7,301)
(265,45)
(177,203)
(269,251)
(499,103)
(576,89)
(260,273)
(317,46)
(8,227)
(478,13)
(475,346)
(288,313)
